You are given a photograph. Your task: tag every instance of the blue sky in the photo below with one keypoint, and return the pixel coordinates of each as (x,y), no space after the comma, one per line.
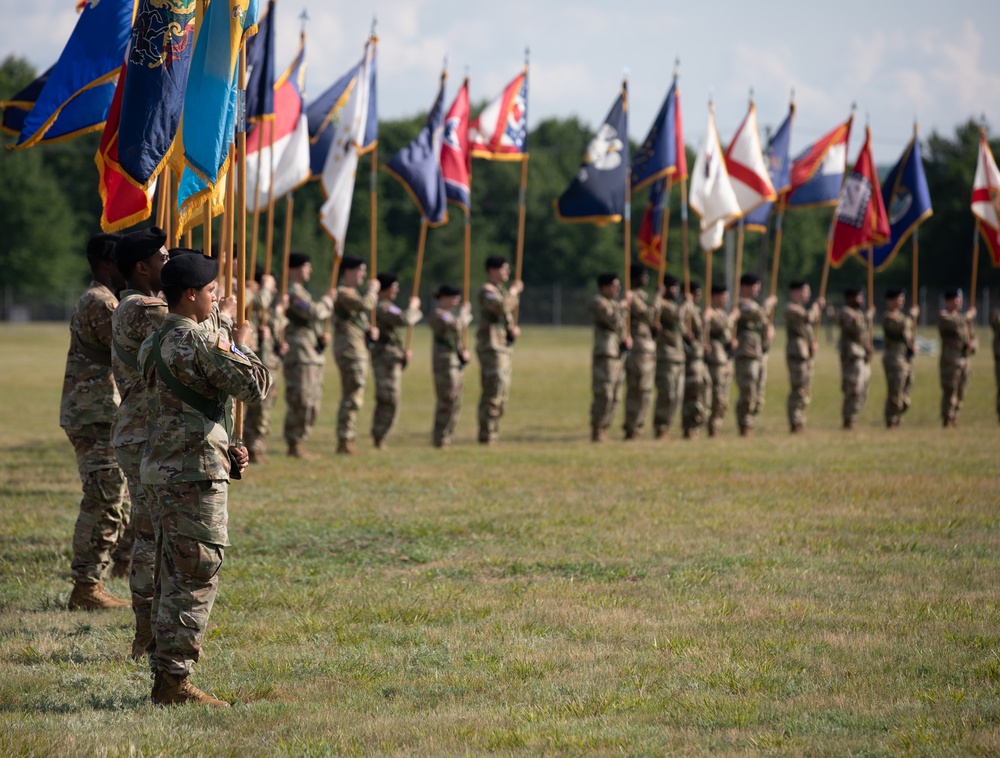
(897,60)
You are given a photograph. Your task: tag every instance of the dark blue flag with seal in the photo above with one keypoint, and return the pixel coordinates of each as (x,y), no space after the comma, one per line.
(779,166)
(260,69)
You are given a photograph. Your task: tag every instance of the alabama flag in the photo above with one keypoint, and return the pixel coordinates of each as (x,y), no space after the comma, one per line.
(861,218)
(818,171)
(456,162)
(501,131)
(986,198)
(712,196)
(747,169)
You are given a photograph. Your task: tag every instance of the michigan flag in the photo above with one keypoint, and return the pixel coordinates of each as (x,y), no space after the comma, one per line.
(986,197)
(712,196)
(501,131)
(818,171)
(662,152)
(861,219)
(456,162)
(779,165)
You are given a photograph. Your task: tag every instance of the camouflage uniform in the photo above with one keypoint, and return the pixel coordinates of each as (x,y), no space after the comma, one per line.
(897,359)
(350,328)
(855,353)
(185,474)
(496,314)
(447,328)
(669,365)
(751,360)
(957,344)
(799,354)
(387,363)
(606,369)
(640,366)
(303,363)
(257,423)
(720,370)
(86,412)
(995,324)
(696,379)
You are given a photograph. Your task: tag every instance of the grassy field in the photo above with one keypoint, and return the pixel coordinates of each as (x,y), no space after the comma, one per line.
(830,593)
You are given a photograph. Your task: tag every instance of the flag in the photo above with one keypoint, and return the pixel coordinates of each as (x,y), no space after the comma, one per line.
(290,140)
(712,196)
(650,241)
(342,158)
(861,219)
(986,197)
(779,167)
(597,193)
(260,69)
(818,171)
(662,153)
(500,132)
(78,90)
(19,106)
(746,167)
(456,162)
(418,166)
(907,200)
(159,56)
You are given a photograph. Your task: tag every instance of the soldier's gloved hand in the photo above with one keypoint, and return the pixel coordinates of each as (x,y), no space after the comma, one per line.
(243,333)
(227,307)
(241,455)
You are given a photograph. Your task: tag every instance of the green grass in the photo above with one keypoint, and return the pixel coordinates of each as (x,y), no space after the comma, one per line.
(831,593)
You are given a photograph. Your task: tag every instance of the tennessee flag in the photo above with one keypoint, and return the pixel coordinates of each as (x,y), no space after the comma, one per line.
(501,131)
(747,169)
(712,196)
(818,171)
(456,162)
(861,219)
(986,198)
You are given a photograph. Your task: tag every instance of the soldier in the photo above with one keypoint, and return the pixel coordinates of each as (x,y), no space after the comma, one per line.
(897,357)
(696,380)
(801,320)
(754,334)
(267,320)
(190,374)
(958,342)
(389,357)
(352,332)
(995,324)
(640,366)
(87,412)
(855,354)
(303,363)
(611,343)
(721,346)
(139,256)
(669,357)
(448,360)
(494,338)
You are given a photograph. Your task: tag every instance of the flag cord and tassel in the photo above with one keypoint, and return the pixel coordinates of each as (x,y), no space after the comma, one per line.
(421,244)
(665,229)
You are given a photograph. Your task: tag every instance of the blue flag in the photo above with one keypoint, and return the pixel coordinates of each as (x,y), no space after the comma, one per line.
(260,69)
(779,166)
(418,166)
(78,91)
(19,106)
(662,153)
(597,193)
(907,201)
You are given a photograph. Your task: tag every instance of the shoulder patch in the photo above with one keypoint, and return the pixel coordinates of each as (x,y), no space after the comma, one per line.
(394,310)
(301,303)
(151,302)
(223,344)
(446,317)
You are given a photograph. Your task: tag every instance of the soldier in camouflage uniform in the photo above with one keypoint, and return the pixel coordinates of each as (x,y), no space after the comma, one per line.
(190,374)
(721,345)
(669,357)
(995,325)
(958,342)
(611,342)
(448,359)
(696,379)
(754,334)
(640,366)
(494,338)
(86,412)
(897,357)
(801,320)
(351,332)
(855,354)
(389,356)
(306,338)
(266,314)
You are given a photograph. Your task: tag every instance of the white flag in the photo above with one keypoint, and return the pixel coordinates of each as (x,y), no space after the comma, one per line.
(711,195)
(747,170)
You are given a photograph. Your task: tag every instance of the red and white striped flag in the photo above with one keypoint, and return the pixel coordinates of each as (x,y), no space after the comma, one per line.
(986,198)
(747,169)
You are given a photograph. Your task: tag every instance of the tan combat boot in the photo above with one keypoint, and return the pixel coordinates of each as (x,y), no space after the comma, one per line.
(380,443)
(92,597)
(346,447)
(143,636)
(176,689)
(296,450)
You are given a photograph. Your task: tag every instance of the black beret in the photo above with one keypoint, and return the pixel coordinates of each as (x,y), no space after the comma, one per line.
(952,292)
(891,293)
(603,280)
(350,262)
(189,271)
(495,262)
(852,291)
(797,284)
(102,246)
(447,290)
(748,280)
(386,279)
(718,289)
(175,251)
(296,260)
(695,286)
(138,246)
(669,281)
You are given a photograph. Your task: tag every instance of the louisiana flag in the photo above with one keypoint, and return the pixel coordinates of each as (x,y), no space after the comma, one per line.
(324,113)
(662,153)
(597,193)
(861,219)
(650,240)
(779,165)
(19,106)
(500,132)
(818,171)
(986,197)
(456,162)
(907,201)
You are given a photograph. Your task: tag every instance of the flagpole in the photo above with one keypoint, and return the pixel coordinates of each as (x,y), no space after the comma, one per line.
(287,252)
(521,209)
(916,266)
(269,239)
(230,220)
(778,219)
(740,237)
(240,205)
(162,201)
(373,222)
(975,265)
(467,273)
(665,227)
(255,237)
(871,286)
(684,238)
(421,244)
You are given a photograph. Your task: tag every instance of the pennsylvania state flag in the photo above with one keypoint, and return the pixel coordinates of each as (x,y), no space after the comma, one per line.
(597,194)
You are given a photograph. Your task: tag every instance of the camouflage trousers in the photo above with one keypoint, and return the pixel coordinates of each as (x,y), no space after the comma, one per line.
(954,382)
(696,395)
(899,378)
(721,377)
(101,533)
(606,376)
(669,393)
(190,524)
(353,374)
(855,376)
(448,382)
(751,380)
(640,376)
(388,373)
(495,371)
(996,372)
(257,423)
(303,395)
(144,544)
(800,379)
